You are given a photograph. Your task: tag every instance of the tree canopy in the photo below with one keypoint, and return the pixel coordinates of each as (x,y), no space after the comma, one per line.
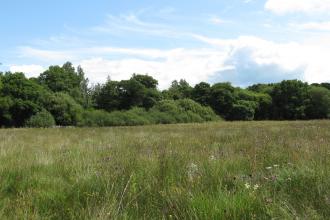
(61,95)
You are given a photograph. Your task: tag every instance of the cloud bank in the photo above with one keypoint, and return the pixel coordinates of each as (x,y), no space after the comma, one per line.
(301,6)
(242,61)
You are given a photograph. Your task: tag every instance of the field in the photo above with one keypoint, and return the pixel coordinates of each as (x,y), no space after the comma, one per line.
(240,170)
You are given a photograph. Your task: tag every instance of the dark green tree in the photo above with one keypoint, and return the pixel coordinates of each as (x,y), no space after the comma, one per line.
(319,105)
(242,111)
(290,100)
(65,110)
(202,93)
(178,90)
(222,98)
(148,81)
(66,79)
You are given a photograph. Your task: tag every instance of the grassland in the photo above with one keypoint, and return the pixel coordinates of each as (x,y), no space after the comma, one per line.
(241,170)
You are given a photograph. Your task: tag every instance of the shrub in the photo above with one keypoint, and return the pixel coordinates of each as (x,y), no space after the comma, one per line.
(64,108)
(243,110)
(164,112)
(42,119)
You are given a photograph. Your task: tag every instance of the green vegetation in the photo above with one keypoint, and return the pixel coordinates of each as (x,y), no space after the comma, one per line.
(239,170)
(65,93)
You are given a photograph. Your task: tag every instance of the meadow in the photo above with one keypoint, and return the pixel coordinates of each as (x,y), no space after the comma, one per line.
(219,170)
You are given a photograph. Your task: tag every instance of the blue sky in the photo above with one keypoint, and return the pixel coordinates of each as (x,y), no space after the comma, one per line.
(241,41)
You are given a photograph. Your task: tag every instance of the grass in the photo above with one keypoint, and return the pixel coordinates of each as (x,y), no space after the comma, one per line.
(241,170)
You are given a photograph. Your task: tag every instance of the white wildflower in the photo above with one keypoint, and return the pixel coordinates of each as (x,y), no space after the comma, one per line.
(212,157)
(276,165)
(247,186)
(256,186)
(192,171)
(269,168)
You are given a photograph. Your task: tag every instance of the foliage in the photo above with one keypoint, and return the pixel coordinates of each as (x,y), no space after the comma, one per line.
(243,111)
(66,94)
(64,108)
(319,106)
(42,119)
(290,99)
(164,112)
(178,90)
(222,98)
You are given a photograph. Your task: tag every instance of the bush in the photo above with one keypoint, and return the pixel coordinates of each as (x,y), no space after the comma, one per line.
(184,111)
(42,119)
(66,111)
(243,110)
(101,118)
(164,112)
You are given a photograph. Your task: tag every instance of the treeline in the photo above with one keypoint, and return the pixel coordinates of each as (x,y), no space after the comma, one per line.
(62,96)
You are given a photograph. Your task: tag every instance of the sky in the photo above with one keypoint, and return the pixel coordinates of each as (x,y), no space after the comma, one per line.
(240,41)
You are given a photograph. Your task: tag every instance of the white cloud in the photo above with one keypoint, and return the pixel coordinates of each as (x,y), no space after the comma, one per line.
(303,6)
(192,65)
(29,70)
(259,60)
(217,20)
(116,25)
(46,55)
(243,61)
(313,26)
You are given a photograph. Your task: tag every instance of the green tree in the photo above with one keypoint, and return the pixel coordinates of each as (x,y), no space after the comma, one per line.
(22,110)
(243,111)
(290,99)
(66,79)
(6,119)
(107,96)
(222,98)
(17,86)
(178,90)
(319,106)
(66,111)
(42,119)
(202,93)
(131,93)
(148,81)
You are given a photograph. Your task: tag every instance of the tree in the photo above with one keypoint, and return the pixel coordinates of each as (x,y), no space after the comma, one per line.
(202,93)
(222,98)
(242,111)
(324,85)
(42,119)
(66,79)
(152,96)
(21,99)
(107,96)
(148,81)
(66,111)
(319,106)
(131,93)
(22,110)
(17,86)
(5,114)
(290,99)
(178,90)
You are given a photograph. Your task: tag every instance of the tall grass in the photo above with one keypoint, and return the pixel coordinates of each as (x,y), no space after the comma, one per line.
(241,170)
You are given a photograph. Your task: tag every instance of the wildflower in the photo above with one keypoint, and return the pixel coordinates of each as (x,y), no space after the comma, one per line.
(269,200)
(212,157)
(275,166)
(269,168)
(192,171)
(256,186)
(247,186)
